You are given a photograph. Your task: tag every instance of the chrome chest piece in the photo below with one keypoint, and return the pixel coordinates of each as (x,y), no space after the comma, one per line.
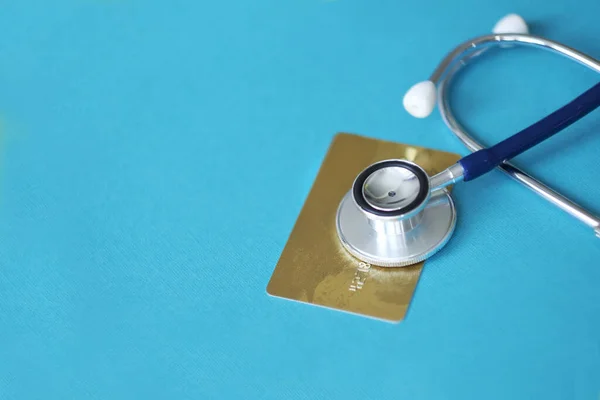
(391,218)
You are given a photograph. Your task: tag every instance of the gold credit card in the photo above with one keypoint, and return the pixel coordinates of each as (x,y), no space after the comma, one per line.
(314,268)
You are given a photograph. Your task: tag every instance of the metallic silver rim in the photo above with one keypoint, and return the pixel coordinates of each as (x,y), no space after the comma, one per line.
(387,250)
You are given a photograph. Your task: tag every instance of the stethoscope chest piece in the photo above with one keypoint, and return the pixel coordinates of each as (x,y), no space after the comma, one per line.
(391,219)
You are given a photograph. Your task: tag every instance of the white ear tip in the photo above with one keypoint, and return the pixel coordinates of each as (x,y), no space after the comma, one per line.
(419,101)
(512,23)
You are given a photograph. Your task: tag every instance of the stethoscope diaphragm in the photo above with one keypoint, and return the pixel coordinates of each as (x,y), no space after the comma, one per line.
(389,218)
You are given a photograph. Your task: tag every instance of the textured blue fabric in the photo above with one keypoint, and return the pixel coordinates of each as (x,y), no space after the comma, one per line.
(155,156)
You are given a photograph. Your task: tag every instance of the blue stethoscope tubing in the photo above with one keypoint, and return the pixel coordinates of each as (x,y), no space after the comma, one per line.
(484,160)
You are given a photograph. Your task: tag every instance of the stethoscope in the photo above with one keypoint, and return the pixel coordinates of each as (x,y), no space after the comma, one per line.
(396,215)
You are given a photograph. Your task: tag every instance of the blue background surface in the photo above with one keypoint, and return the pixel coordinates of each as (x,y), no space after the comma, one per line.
(154,158)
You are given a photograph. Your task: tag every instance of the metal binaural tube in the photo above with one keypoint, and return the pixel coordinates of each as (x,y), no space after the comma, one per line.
(467,50)
(459,57)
